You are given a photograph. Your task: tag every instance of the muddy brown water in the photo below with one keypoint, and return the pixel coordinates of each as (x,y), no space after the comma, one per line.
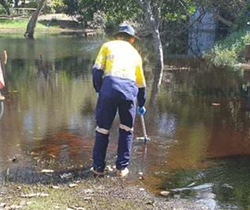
(199,127)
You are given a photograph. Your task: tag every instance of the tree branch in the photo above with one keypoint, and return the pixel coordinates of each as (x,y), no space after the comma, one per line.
(223,20)
(186,28)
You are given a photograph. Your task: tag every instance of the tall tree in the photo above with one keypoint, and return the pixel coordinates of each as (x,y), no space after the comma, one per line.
(5,6)
(33,20)
(152,14)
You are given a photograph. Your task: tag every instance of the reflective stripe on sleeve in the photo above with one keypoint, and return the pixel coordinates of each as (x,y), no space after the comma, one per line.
(126,128)
(102,130)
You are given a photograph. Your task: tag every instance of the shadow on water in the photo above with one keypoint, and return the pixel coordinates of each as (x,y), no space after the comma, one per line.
(199,127)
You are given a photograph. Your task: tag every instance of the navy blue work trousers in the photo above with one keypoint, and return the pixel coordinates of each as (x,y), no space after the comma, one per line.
(106,110)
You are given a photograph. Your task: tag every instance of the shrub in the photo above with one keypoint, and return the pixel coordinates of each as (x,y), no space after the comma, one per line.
(58,6)
(229,51)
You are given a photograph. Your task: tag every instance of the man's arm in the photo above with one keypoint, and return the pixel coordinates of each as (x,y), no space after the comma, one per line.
(97,78)
(141,84)
(141,96)
(98,69)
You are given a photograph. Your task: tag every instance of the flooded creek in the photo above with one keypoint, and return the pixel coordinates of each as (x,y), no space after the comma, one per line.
(199,127)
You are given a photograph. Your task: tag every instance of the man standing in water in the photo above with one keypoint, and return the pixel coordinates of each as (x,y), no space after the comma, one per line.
(119,79)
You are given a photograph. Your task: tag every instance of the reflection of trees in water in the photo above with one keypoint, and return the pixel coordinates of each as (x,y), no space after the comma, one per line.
(190,95)
(20,70)
(73,66)
(219,86)
(88,107)
(49,97)
(25,69)
(44,67)
(192,76)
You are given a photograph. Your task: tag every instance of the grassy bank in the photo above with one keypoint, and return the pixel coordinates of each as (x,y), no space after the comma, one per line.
(88,193)
(17,24)
(230,50)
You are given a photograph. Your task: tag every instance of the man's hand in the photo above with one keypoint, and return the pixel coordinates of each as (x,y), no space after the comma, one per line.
(142,111)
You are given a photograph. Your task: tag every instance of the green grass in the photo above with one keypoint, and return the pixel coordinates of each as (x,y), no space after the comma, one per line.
(229,51)
(20,24)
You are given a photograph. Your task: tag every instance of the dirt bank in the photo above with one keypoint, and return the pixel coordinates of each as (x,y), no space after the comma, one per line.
(88,193)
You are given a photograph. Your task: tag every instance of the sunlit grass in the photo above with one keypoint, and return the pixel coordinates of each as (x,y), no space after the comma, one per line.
(22,24)
(17,24)
(229,51)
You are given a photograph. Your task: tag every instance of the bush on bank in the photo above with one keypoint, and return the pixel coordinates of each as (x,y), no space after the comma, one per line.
(230,51)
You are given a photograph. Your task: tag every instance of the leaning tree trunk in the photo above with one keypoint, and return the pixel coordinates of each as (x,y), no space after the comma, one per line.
(5,6)
(33,20)
(153,21)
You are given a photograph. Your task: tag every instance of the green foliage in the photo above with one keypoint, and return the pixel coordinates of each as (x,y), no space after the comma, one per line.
(173,10)
(58,6)
(118,11)
(2,10)
(54,6)
(228,51)
(243,17)
(72,6)
(224,56)
(99,20)
(31,4)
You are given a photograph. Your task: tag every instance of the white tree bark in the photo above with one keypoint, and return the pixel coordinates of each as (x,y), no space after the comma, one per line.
(153,20)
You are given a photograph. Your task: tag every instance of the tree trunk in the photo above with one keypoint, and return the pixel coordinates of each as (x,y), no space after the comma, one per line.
(153,21)
(16,3)
(5,6)
(33,20)
(158,71)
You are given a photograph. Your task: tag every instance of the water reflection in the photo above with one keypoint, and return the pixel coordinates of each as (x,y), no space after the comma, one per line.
(212,122)
(199,127)
(47,91)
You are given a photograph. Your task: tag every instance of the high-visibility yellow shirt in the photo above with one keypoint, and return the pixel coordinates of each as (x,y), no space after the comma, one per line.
(120,59)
